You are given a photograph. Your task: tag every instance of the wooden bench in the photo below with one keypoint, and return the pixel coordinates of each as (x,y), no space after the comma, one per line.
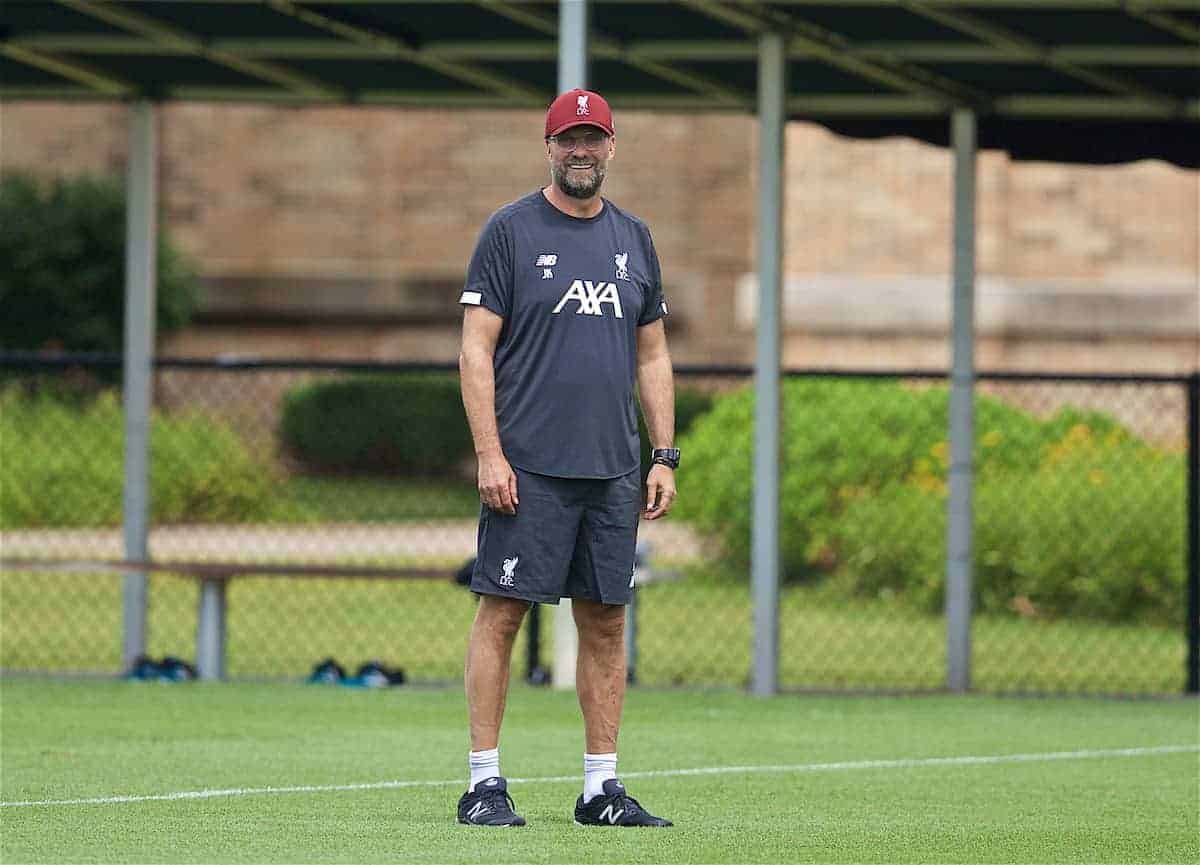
(214,577)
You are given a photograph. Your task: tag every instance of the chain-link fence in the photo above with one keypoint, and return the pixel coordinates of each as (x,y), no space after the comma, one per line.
(1081,566)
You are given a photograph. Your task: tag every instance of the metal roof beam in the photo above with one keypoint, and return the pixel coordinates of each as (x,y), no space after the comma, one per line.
(1002,37)
(834,49)
(1099,55)
(997,4)
(693,49)
(94,80)
(603,45)
(516,49)
(1093,107)
(1163,21)
(303,49)
(716,51)
(1065,5)
(184,42)
(414,98)
(100,45)
(396,49)
(813,105)
(23,91)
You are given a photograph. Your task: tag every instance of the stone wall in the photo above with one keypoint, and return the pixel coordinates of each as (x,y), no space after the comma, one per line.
(345,232)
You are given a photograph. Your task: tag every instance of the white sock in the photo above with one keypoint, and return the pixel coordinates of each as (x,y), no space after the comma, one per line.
(483,765)
(597,768)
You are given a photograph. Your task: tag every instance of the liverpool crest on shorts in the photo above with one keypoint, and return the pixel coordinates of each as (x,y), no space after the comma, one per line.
(506,571)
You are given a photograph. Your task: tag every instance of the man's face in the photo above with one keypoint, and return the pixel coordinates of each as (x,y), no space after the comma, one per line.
(579,160)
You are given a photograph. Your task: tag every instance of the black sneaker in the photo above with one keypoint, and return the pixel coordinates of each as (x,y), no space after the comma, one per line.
(488,805)
(615,807)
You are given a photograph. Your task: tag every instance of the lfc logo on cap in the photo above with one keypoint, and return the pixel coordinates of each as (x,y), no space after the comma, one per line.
(582,110)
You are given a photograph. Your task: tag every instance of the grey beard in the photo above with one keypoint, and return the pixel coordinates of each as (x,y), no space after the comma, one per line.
(586,189)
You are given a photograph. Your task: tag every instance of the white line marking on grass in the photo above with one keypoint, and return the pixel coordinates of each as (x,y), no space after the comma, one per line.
(906,763)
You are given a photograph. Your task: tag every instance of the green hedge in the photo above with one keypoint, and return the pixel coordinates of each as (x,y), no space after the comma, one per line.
(1095,532)
(1075,515)
(405,424)
(61,464)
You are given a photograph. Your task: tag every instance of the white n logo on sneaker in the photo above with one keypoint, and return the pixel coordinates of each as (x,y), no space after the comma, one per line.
(611,816)
(477,809)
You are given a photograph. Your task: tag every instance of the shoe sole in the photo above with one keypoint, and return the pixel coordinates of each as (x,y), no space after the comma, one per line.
(489,825)
(618,826)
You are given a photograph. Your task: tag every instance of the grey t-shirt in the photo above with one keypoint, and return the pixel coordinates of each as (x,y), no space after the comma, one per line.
(572,293)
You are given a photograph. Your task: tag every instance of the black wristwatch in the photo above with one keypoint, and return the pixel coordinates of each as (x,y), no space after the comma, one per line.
(668,457)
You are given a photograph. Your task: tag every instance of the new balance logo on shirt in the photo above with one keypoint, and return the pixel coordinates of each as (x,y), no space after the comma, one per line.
(591,297)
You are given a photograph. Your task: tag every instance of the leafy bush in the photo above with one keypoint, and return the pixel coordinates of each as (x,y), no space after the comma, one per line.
(1057,542)
(841,440)
(410,424)
(407,424)
(62,266)
(61,464)
(863,495)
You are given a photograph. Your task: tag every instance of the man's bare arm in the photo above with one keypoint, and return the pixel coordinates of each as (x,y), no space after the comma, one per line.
(497,481)
(656,390)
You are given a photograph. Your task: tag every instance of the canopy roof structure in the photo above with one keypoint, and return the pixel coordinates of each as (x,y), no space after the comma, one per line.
(1092,81)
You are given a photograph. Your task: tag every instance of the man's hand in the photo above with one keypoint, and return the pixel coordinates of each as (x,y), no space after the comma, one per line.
(497,483)
(660,491)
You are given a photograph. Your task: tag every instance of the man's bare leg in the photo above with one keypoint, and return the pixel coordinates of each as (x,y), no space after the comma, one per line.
(600,671)
(486,802)
(600,680)
(489,652)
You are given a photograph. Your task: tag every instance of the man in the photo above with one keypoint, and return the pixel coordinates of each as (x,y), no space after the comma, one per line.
(563,314)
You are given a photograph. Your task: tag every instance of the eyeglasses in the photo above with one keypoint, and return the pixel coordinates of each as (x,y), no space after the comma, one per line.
(591,141)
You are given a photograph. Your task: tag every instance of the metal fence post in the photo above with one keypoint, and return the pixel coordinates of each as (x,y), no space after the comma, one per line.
(764,544)
(1192,544)
(959,522)
(141,243)
(574,23)
(631,641)
(210,629)
(533,647)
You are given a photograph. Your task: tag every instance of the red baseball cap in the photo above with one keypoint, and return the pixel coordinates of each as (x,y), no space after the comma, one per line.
(578,108)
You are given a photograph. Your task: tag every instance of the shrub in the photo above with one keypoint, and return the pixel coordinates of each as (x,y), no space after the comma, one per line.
(62,463)
(62,266)
(1056,542)
(841,440)
(410,424)
(863,494)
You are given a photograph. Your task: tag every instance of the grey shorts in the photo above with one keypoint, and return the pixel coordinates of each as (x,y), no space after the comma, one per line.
(570,538)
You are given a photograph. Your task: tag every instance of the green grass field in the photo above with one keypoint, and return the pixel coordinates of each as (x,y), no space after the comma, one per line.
(789,779)
(691,631)
(307,499)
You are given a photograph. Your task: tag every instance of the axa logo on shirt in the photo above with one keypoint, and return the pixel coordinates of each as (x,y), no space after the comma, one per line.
(591,296)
